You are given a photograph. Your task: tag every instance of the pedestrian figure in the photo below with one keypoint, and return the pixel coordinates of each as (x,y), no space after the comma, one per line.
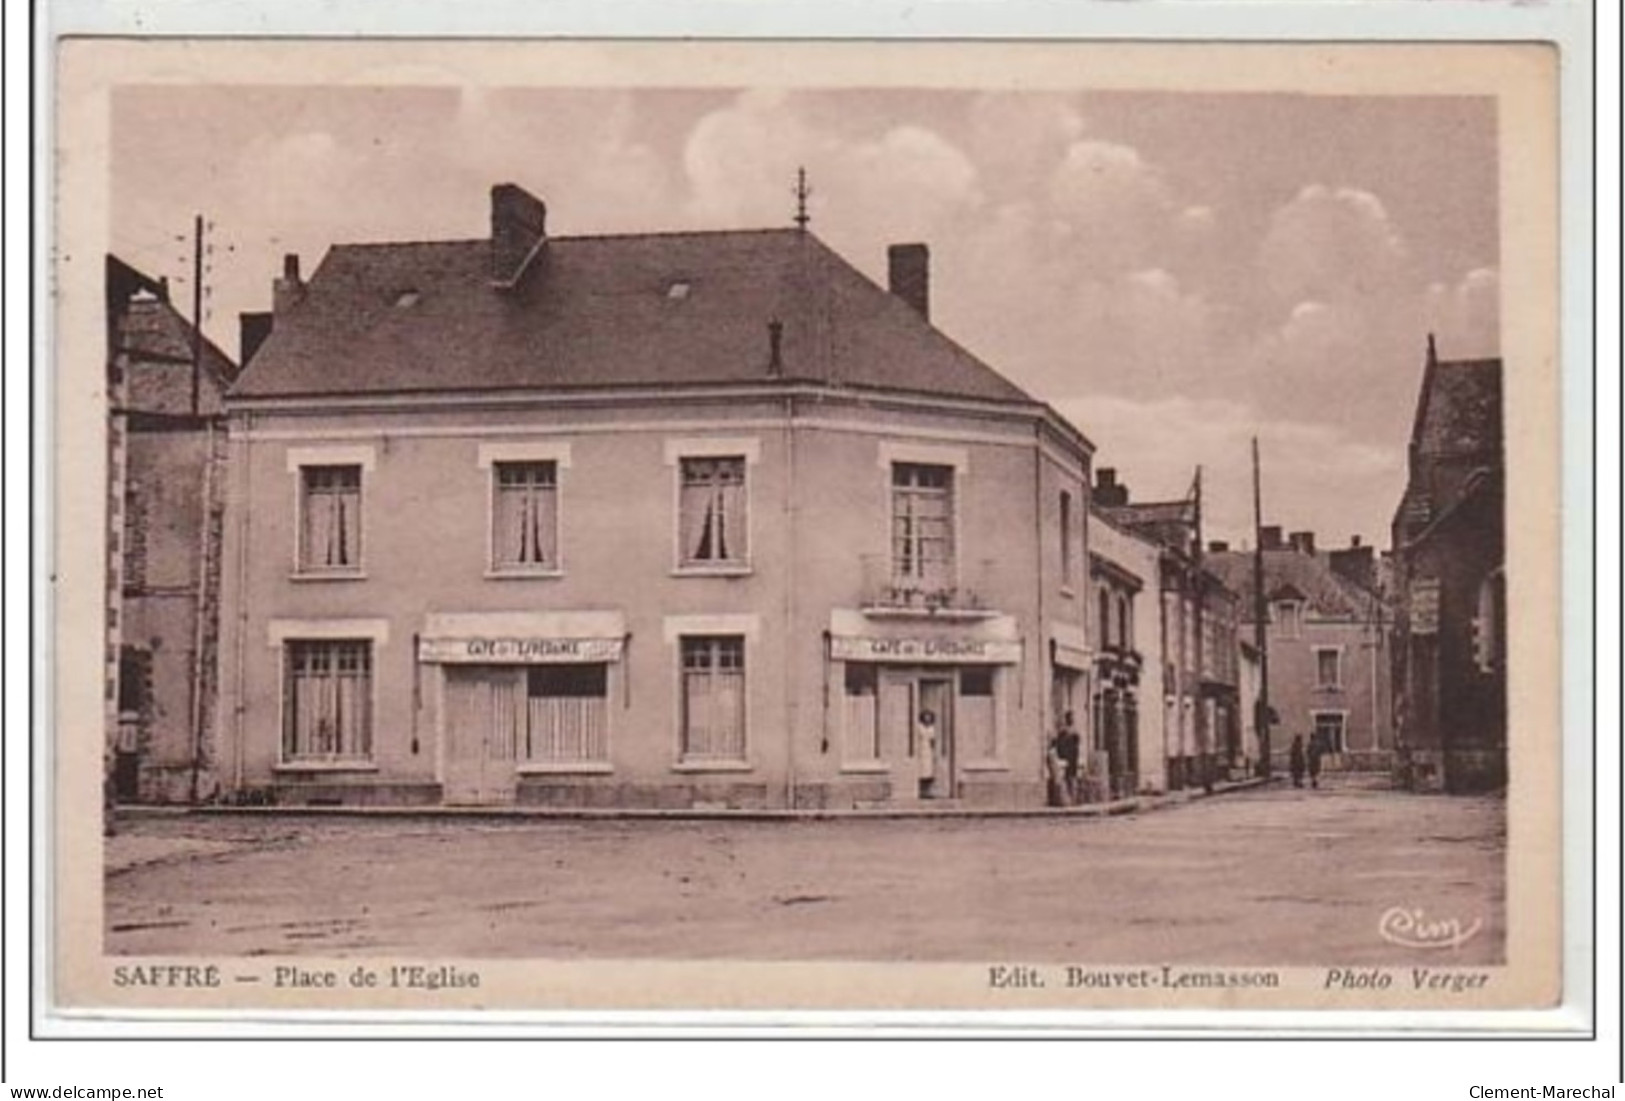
(1296,760)
(1066,748)
(927,748)
(1317,748)
(109,796)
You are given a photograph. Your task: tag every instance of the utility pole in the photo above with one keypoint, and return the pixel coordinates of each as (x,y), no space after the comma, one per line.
(802,193)
(197,310)
(1260,611)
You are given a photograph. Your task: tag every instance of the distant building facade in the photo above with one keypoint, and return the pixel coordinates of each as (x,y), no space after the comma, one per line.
(663,520)
(1327,636)
(166,452)
(1449,568)
(1196,634)
(1126,713)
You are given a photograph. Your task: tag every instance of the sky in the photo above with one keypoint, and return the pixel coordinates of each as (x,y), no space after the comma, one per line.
(1176,273)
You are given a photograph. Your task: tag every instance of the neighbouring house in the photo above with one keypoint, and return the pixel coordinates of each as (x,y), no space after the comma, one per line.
(1127,710)
(1449,576)
(166,455)
(654,520)
(1327,635)
(1250,686)
(1196,629)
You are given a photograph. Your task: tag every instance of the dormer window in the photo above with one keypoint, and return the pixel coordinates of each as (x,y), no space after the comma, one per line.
(679,290)
(1289,618)
(407,299)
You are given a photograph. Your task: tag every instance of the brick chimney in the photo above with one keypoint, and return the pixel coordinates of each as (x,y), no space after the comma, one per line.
(1108,492)
(518,233)
(1303,542)
(252,330)
(908,275)
(1269,537)
(289,290)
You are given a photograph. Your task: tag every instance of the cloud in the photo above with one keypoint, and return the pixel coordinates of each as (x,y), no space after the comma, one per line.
(1331,245)
(1024,133)
(1315,476)
(902,183)
(1115,203)
(1466,317)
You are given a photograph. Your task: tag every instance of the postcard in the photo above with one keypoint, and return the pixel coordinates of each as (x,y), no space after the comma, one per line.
(665,526)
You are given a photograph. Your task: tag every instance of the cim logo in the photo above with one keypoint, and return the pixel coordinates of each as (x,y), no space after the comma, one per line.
(1411,928)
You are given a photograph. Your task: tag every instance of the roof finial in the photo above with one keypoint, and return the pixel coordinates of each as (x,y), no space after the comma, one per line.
(802,193)
(1433,350)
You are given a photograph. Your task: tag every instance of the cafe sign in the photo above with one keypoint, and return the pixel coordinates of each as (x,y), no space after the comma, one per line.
(519,651)
(925,651)
(1424,609)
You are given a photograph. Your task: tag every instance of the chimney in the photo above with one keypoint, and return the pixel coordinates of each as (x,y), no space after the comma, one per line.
(1108,492)
(1303,542)
(252,330)
(775,347)
(518,232)
(1269,537)
(908,273)
(288,291)
(1218,546)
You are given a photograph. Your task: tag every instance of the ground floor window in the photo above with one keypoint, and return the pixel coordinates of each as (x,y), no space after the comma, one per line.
(978,723)
(713,698)
(566,714)
(862,696)
(327,700)
(1329,731)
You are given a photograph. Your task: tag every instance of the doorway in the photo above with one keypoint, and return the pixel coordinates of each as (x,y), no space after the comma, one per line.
(484,707)
(939,777)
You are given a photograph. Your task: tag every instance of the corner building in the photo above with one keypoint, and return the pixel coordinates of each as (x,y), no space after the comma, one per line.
(666,520)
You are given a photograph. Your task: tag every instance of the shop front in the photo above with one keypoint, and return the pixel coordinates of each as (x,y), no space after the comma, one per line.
(925,705)
(521,694)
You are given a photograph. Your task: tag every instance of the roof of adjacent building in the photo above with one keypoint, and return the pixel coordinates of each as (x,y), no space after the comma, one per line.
(608,311)
(157,343)
(1171,524)
(1292,575)
(1459,410)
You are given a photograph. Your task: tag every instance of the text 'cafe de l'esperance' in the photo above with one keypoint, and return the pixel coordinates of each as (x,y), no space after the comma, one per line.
(657,520)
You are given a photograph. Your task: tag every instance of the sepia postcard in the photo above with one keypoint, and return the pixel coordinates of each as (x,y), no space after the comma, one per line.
(992,528)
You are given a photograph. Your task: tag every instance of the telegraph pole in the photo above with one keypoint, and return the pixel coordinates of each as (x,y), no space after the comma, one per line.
(197,310)
(1260,609)
(802,193)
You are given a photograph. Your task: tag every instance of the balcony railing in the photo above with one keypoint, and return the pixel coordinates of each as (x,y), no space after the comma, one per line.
(962,591)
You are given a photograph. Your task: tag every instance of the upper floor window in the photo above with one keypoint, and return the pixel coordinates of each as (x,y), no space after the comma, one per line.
(1104,615)
(714,527)
(1067,555)
(923,525)
(1289,618)
(1125,632)
(1328,667)
(330,518)
(525,516)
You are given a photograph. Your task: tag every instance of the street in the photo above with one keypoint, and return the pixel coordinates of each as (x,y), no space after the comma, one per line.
(1271,876)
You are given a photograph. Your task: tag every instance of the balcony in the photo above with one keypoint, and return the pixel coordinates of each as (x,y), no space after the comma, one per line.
(956,594)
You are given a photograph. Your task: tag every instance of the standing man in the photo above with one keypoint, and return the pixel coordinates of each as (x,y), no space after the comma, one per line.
(1296,760)
(1317,748)
(1068,745)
